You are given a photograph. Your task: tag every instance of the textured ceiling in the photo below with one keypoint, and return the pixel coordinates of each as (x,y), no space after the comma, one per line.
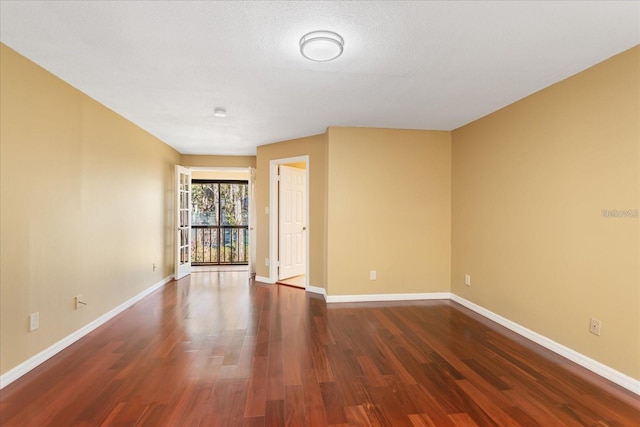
(166,65)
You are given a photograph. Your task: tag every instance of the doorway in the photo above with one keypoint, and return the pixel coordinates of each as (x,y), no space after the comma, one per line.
(239,245)
(220,222)
(289,205)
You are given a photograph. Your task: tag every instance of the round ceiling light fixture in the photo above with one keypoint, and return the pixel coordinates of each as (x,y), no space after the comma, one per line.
(220,112)
(321,46)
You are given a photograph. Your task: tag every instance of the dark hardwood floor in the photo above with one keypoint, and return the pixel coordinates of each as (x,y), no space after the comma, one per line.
(216,350)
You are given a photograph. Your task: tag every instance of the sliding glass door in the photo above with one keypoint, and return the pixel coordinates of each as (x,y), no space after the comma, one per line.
(220,220)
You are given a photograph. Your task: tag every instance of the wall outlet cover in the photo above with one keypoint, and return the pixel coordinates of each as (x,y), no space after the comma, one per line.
(34,321)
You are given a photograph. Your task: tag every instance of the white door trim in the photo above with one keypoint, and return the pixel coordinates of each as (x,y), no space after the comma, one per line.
(273,215)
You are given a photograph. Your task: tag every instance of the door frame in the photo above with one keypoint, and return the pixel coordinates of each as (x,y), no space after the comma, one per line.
(273,216)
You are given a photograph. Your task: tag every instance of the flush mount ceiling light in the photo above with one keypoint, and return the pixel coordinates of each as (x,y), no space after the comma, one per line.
(321,46)
(220,112)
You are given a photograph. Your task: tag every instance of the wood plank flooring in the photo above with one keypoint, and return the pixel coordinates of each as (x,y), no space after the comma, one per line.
(216,350)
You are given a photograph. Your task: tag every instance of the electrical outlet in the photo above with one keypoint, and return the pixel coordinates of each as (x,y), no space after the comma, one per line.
(34,321)
(467,280)
(155,266)
(594,326)
(373,275)
(266,262)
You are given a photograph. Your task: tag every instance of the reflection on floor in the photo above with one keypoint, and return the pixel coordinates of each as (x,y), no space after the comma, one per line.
(207,268)
(216,349)
(294,281)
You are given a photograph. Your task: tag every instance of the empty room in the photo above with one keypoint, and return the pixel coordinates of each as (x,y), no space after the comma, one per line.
(319,213)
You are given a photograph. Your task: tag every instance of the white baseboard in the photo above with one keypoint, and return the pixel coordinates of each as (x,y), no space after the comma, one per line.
(386,297)
(266,280)
(317,290)
(31,363)
(594,366)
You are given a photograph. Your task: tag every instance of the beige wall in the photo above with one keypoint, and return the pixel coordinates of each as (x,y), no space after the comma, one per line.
(298,165)
(315,147)
(218,161)
(513,199)
(86,208)
(221,174)
(529,185)
(389,200)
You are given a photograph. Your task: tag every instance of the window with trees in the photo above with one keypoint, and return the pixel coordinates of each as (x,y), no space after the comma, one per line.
(220,219)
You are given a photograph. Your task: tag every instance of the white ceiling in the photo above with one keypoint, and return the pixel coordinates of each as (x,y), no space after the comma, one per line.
(165,65)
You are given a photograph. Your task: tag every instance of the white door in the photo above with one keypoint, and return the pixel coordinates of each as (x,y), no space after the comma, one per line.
(292,222)
(183,222)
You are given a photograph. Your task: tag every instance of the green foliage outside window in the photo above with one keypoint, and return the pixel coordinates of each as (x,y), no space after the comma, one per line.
(219,204)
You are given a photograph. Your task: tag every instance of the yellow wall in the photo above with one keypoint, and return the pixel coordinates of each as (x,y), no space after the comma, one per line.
(86,208)
(389,199)
(529,185)
(221,174)
(315,147)
(513,199)
(299,165)
(218,161)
